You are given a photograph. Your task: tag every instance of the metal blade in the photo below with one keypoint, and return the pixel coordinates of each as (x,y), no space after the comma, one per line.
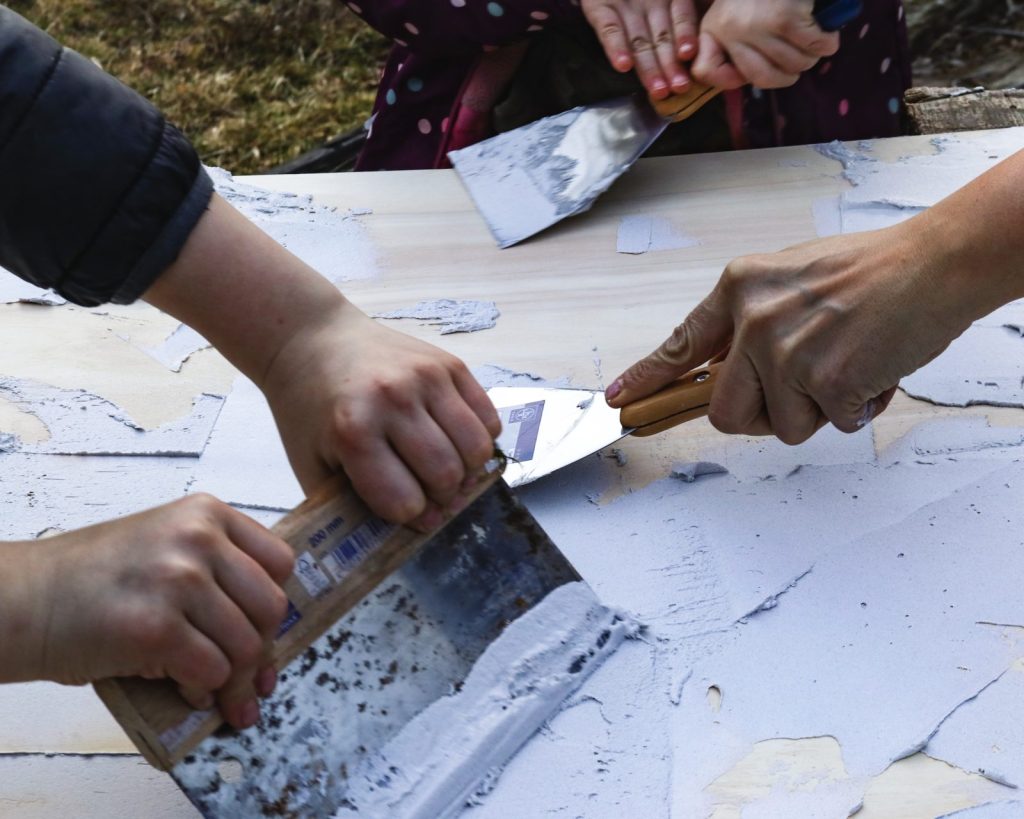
(544,429)
(527,179)
(410,643)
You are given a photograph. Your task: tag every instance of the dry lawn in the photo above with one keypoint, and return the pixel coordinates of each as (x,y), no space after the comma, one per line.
(252,82)
(255,83)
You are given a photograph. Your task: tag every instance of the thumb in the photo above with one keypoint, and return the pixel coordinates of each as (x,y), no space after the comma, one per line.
(703,333)
(712,66)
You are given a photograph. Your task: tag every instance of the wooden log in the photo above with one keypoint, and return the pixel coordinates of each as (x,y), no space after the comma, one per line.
(941,110)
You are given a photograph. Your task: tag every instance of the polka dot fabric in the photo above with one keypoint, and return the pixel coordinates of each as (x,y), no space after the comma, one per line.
(855,94)
(428,100)
(438,46)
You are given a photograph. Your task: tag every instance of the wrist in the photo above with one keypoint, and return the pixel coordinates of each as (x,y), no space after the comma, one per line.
(25,609)
(960,265)
(242,290)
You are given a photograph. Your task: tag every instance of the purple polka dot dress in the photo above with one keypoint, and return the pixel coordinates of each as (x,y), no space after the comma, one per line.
(452,61)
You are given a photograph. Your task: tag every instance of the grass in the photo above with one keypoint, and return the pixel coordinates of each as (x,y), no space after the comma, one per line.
(253,83)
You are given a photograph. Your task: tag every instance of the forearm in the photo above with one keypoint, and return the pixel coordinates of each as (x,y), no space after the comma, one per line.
(243,291)
(23,599)
(974,240)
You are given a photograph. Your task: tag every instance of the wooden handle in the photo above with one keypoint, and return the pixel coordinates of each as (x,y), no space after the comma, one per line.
(686,398)
(683,106)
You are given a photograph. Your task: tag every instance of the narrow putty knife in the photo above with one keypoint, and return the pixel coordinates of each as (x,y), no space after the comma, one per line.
(412,667)
(546,428)
(527,179)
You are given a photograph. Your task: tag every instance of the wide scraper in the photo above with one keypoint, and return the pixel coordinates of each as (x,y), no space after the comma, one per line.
(546,428)
(412,667)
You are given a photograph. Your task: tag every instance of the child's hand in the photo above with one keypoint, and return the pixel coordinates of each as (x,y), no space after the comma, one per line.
(766,43)
(188,591)
(407,421)
(654,36)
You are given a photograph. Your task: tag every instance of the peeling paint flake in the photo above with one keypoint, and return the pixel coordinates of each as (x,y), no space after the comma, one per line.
(451,315)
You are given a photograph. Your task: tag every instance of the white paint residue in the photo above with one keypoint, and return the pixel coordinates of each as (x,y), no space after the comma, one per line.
(335,244)
(245,462)
(440,758)
(983,366)
(1001,809)
(491,375)
(178,347)
(82,423)
(46,492)
(14,289)
(688,473)
(981,736)
(695,560)
(640,233)
(887,193)
(451,315)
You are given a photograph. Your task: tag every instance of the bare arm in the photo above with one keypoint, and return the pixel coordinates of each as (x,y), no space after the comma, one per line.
(405,420)
(824,331)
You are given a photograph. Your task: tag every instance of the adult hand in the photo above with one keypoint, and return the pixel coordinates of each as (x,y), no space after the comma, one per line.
(189,591)
(653,36)
(820,332)
(765,43)
(406,421)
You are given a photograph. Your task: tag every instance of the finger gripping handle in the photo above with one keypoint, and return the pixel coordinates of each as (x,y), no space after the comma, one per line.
(688,397)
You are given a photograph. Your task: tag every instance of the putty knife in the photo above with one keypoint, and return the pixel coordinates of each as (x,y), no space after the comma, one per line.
(546,428)
(405,678)
(527,179)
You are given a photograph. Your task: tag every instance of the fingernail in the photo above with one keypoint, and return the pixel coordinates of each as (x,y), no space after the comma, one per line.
(686,49)
(867,414)
(613,390)
(266,681)
(658,85)
(250,714)
(623,62)
(679,82)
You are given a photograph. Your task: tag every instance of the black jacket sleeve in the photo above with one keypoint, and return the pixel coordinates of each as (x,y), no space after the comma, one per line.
(97,191)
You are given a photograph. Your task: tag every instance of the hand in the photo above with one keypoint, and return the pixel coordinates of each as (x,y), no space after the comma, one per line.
(766,43)
(820,332)
(406,421)
(654,36)
(188,591)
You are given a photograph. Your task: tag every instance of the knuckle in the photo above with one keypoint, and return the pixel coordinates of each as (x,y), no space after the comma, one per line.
(677,345)
(663,37)
(247,650)
(201,505)
(791,436)
(150,631)
(212,670)
(447,478)
(609,30)
(176,575)
(277,608)
(480,452)
(640,44)
(722,421)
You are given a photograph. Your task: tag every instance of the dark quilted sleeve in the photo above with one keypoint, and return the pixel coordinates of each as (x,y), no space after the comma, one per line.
(97,191)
